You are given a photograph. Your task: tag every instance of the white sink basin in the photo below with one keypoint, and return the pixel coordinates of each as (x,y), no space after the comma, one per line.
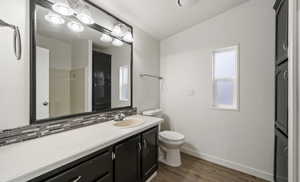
(128,123)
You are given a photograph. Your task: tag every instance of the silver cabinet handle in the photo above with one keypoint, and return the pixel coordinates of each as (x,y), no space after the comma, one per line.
(140,146)
(145,143)
(285,75)
(284,46)
(45,103)
(286,149)
(77,179)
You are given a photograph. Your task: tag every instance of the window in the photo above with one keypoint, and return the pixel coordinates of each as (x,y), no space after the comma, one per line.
(123,84)
(225,78)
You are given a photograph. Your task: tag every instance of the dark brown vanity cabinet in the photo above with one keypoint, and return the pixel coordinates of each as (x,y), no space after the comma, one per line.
(132,160)
(97,167)
(149,153)
(281,155)
(281,101)
(128,160)
(281,8)
(136,159)
(281,92)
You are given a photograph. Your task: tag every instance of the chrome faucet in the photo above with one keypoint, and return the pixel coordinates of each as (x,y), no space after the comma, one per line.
(119,117)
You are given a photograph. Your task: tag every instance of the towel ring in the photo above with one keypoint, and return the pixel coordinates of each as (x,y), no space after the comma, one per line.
(16,39)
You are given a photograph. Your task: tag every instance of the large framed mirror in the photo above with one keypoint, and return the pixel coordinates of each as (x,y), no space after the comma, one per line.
(81,60)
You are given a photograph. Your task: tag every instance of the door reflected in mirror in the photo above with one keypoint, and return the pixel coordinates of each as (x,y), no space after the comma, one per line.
(78,69)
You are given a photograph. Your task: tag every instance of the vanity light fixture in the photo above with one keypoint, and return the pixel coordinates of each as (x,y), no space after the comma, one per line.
(105,38)
(62,7)
(54,18)
(117,30)
(128,37)
(117,43)
(84,15)
(75,26)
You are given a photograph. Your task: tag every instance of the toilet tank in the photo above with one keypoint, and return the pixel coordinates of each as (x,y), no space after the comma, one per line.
(154,113)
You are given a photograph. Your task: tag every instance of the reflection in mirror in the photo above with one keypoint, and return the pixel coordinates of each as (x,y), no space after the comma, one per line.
(79,69)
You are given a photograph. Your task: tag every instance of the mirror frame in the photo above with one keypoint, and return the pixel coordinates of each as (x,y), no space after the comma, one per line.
(95,26)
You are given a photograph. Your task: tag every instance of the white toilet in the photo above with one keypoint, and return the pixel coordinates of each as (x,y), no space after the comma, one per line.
(169,141)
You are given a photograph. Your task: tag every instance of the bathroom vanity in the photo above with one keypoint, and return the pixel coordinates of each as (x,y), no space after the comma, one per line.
(100,152)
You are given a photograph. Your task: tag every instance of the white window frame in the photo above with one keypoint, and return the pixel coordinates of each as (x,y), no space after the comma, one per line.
(236,93)
(121,84)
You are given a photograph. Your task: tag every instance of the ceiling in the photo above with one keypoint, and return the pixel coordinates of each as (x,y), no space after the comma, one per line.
(163,18)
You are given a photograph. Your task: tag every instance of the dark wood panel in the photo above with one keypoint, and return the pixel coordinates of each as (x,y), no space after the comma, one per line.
(198,170)
(127,160)
(281,100)
(281,157)
(149,153)
(96,166)
(281,31)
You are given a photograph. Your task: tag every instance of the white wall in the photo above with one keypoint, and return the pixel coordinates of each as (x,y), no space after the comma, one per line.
(14,89)
(60,52)
(243,139)
(81,85)
(146,59)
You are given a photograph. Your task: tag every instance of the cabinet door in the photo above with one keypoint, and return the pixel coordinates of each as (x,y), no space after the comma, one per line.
(281,116)
(149,153)
(98,169)
(282,31)
(281,157)
(127,160)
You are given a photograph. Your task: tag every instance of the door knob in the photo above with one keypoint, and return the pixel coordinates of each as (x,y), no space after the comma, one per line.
(45,103)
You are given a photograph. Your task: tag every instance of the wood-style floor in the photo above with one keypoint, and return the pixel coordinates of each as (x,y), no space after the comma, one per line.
(197,170)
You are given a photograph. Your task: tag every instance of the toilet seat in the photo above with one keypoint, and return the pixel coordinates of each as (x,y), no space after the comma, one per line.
(171,136)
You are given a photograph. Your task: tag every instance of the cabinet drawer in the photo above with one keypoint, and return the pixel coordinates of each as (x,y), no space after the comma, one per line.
(97,169)
(106,178)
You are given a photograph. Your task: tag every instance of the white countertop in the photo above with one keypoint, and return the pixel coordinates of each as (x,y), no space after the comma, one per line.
(26,160)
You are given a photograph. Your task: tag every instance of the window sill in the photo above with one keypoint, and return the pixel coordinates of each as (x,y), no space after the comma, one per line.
(224,108)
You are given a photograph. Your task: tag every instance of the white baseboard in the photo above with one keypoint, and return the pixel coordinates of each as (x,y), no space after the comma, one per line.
(230,164)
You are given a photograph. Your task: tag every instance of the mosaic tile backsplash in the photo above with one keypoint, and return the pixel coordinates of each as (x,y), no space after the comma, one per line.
(39,130)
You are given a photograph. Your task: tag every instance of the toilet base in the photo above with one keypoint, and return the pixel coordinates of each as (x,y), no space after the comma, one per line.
(170,157)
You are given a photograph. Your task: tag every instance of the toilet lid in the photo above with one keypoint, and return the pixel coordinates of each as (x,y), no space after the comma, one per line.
(171,135)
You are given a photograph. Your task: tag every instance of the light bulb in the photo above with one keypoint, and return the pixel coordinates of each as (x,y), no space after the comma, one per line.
(84,18)
(63,8)
(117,31)
(75,26)
(84,15)
(117,42)
(54,18)
(106,38)
(128,37)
